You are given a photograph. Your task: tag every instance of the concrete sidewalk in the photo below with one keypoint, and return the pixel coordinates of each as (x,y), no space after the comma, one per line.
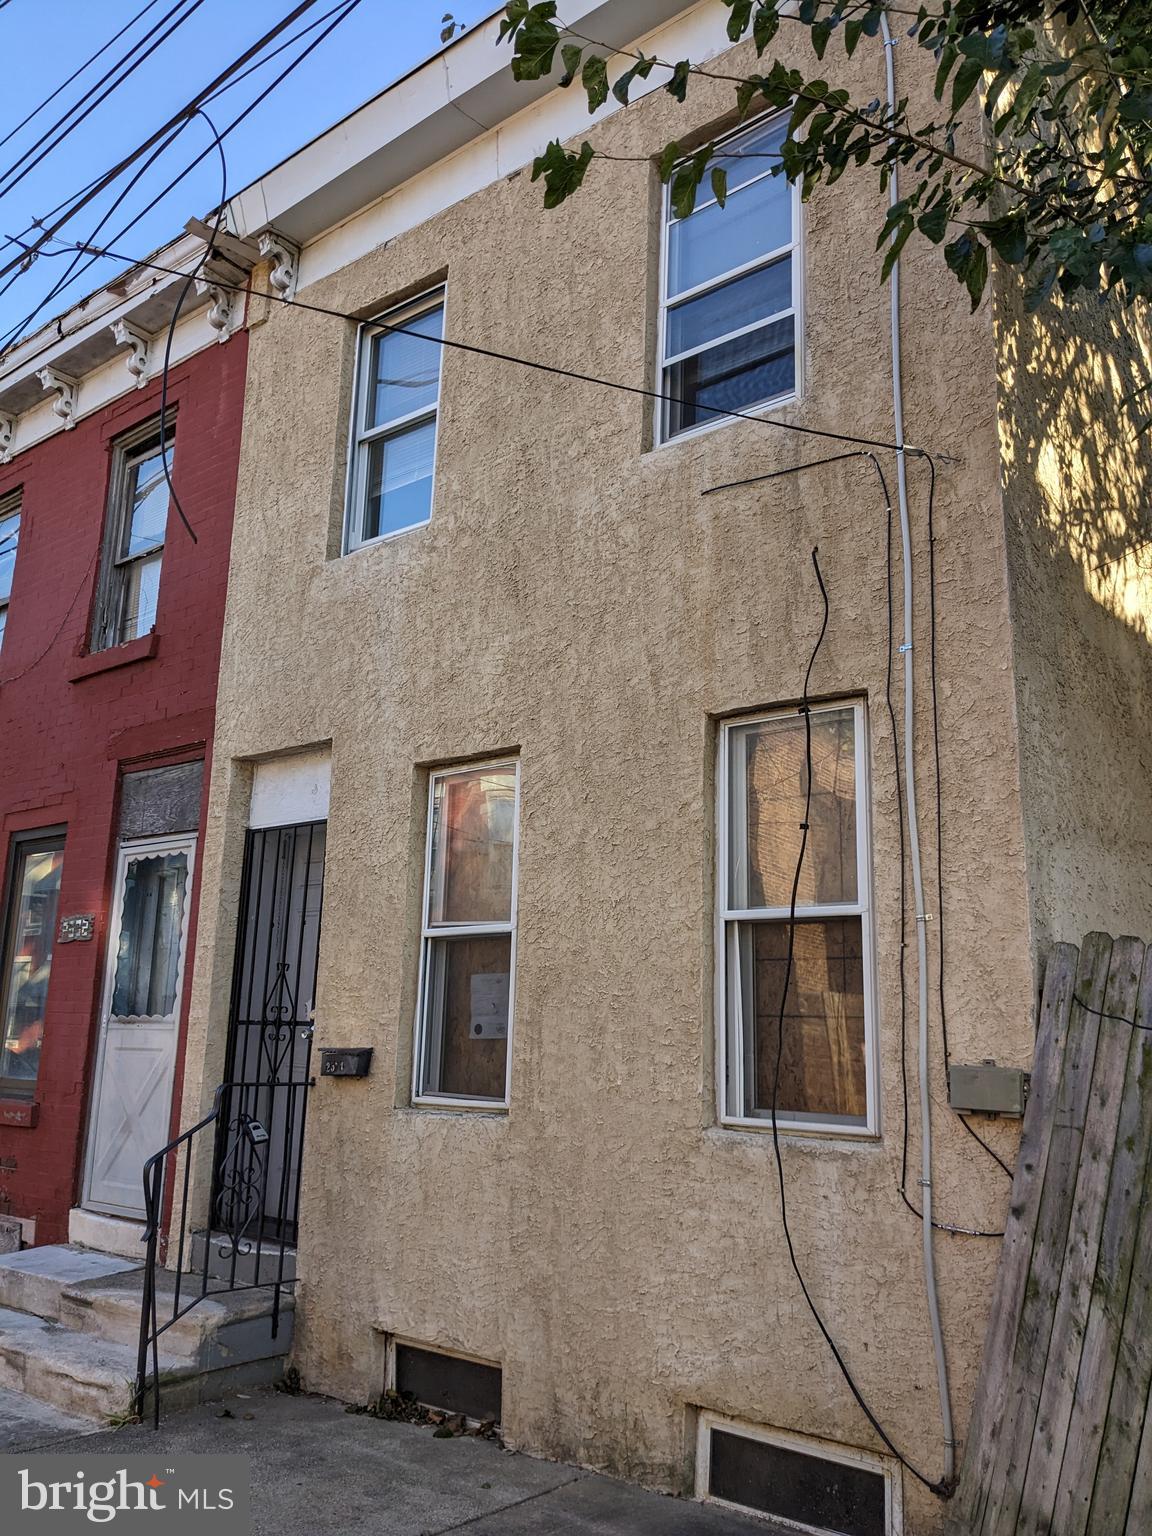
(318,1471)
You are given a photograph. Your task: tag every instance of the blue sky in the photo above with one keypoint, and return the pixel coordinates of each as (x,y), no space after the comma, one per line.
(43,41)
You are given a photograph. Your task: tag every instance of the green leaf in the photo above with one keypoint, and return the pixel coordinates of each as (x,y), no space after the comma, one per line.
(933,222)
(594,79)
(765,25)
(1008,237)
(563,171)
(571,54)
(820,32)
(639,71)
(740,14)
(720,184)
(677,86)
(966,81)
(668,159)
(892,255)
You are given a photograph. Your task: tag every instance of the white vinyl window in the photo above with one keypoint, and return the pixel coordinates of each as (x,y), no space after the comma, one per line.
(468,948)
(134,537)
(730,289)
(812,1051)
(9,539)
(397,398)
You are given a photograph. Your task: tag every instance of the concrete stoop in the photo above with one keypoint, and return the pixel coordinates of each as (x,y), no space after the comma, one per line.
(69,1325)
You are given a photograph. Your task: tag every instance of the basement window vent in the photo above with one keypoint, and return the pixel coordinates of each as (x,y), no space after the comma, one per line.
(807,1485)
(448,1382)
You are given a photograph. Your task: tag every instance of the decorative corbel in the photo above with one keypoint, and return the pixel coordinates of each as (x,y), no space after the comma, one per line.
(285,259)
(65,387)
(7,433)
(127,335)
(220,315)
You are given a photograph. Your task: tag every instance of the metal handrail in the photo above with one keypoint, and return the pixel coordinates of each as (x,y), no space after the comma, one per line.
(236,1241)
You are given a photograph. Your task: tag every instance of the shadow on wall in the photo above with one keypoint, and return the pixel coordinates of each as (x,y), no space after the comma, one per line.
(1078,474)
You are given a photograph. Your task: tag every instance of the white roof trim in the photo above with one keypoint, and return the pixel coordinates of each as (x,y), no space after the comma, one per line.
(459,95)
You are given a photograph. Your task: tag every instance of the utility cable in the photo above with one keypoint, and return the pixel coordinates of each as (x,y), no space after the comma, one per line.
(184,292)
(78,268)
(1117,1018)
(185,112)
(76,73)
(29,160)
(719,411)
(942,1490)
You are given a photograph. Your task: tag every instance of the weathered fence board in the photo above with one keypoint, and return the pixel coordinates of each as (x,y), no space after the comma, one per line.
(1058,1443)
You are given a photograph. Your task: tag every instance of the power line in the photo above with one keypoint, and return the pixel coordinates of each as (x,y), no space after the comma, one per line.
(29,160)
(185,112)
(76,73)
(474,349)
(77,268)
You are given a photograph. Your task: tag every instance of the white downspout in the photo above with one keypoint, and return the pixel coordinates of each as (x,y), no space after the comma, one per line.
(913,825)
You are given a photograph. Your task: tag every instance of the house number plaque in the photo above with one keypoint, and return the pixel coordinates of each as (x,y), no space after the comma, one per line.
(75,929)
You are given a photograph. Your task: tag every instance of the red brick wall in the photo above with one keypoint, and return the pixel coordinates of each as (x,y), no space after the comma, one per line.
(64,740)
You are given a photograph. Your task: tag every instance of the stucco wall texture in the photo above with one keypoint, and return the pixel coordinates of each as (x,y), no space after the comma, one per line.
(574,599)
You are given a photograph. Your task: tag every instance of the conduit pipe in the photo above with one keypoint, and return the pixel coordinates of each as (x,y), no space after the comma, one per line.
(906,651)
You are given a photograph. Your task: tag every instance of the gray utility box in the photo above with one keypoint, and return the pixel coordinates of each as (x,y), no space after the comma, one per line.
(986,1089)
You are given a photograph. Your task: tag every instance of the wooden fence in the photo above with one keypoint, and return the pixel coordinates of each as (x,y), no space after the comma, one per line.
(1060,1440)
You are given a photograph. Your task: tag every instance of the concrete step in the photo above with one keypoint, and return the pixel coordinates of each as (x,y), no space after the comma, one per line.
(74,1372)
(260,1266)
(33,1280)
(221,1329)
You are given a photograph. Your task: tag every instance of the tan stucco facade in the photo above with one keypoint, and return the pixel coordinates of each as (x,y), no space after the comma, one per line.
(575,601)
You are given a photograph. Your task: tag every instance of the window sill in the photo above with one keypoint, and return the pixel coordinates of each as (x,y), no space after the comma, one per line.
(19,1112)
(854,1136)
(441,1106)
(95,662)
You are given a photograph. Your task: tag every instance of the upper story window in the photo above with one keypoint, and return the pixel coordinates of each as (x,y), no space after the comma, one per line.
(134,537)
(464,1013)
(730,289)
(810,1051)
(9,539)
(394,429)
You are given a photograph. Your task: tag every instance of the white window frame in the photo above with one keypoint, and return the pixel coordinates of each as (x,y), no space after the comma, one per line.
(359,438)
(11,505)
(661,437)
(114,568)
(430,932)
(727,917)
(808,1445)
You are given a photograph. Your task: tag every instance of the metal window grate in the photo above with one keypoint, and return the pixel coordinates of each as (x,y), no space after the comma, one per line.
(446,1381)
(839,1497)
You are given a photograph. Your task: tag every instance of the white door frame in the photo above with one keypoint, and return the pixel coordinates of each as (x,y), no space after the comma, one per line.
(128,850)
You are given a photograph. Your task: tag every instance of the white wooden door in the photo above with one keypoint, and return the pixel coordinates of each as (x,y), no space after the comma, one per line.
(140,1020)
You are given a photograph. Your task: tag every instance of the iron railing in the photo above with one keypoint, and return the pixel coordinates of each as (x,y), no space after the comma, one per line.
(245,1242)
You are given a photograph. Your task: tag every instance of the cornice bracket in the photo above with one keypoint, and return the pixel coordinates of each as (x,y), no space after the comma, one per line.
(221,313)
(65,389)
(126,335)
(7,433)
(284,255)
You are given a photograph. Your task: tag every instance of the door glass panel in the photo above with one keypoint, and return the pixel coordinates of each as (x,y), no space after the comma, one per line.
(28,961)
(473,826)
(151,934)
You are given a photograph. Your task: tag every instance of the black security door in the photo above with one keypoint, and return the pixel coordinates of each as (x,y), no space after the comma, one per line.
(261,1130)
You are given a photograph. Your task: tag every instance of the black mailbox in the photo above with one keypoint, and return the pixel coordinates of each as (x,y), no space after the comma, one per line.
(348,1063)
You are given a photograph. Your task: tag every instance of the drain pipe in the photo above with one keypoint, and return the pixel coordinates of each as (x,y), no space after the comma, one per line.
(913,824)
